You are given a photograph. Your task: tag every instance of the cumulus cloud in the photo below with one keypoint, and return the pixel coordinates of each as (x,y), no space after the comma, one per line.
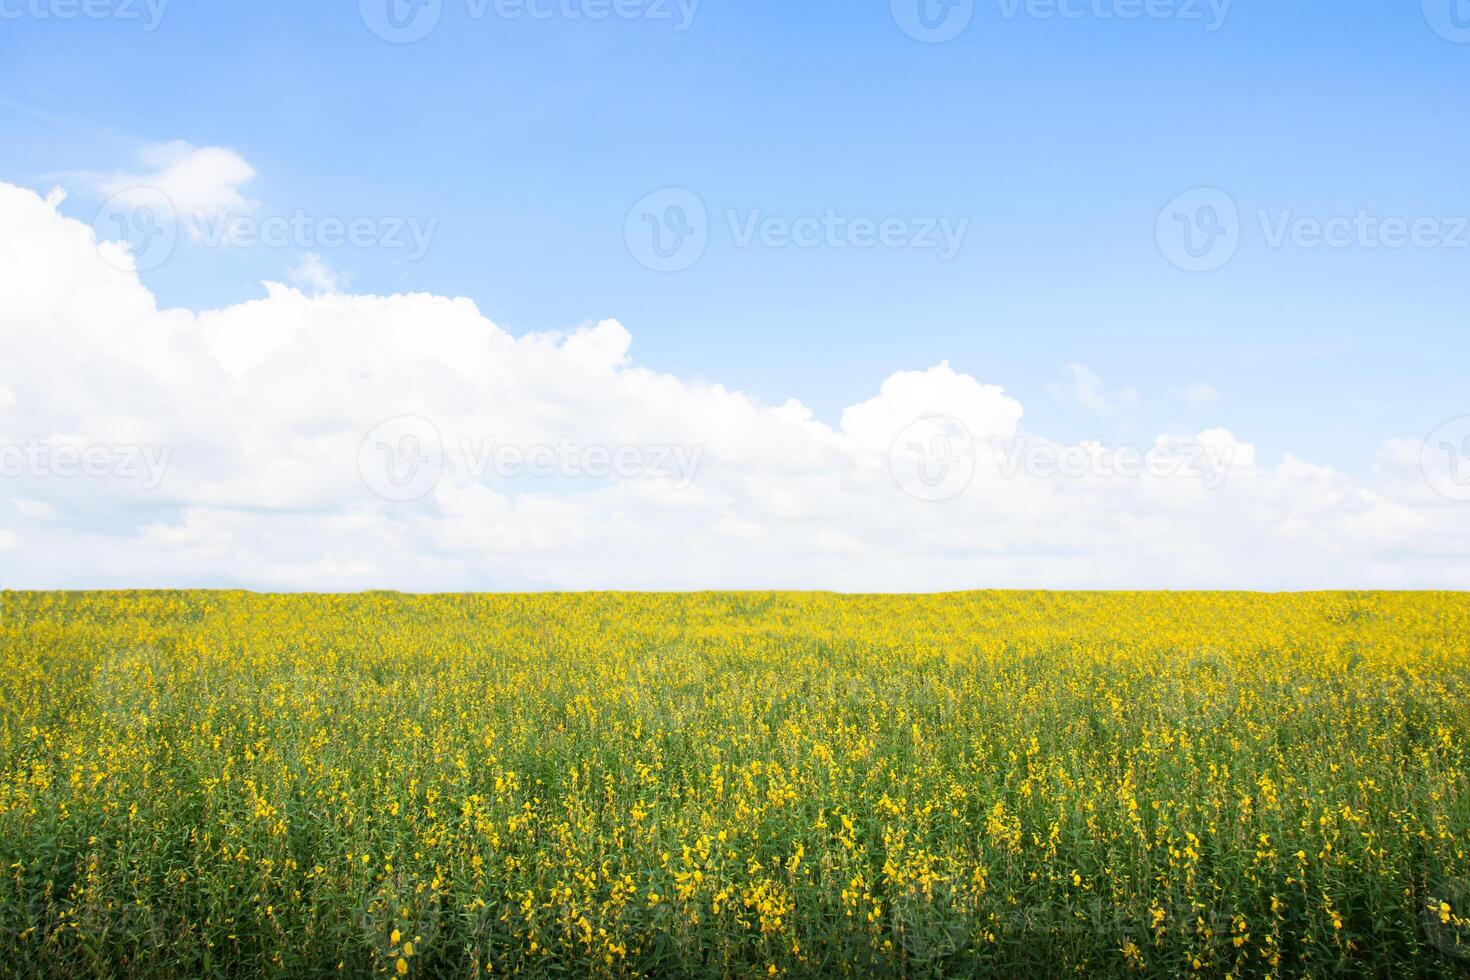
(203,184)
(1083,386)
(314,275)
(342,441)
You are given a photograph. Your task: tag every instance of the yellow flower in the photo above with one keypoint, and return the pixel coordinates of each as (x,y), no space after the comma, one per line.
(529,766)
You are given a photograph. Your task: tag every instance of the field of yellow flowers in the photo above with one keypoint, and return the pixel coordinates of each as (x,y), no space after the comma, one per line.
(735,785)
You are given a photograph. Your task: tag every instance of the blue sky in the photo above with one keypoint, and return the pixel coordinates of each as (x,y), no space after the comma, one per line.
(1059,139)
(1232,228)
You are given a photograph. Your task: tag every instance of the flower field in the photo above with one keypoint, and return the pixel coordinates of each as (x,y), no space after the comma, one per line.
(1028,784)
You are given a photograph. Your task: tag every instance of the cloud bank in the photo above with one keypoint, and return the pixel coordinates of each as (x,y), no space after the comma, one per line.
(332,441)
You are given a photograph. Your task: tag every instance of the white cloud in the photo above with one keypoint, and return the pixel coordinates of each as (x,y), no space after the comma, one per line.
(201,183)
(1199,394)
(34,510)
(314,275)
(257,419)
(1083,386)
